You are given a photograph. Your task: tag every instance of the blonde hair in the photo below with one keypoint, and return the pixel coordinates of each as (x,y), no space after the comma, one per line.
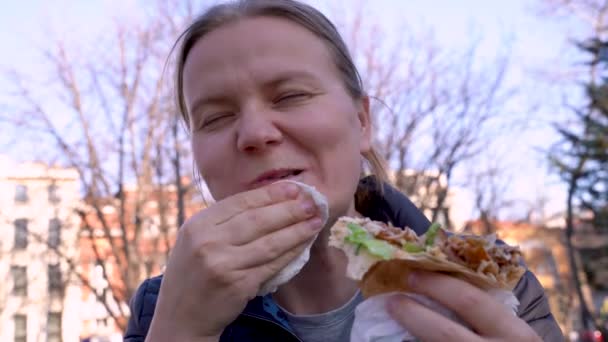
(296,12)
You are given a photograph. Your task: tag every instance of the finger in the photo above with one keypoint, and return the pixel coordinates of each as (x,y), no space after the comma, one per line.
(474,306)
(255,223)
(269,248)
(425,324)
(229,207)
(265,272)
(252,279)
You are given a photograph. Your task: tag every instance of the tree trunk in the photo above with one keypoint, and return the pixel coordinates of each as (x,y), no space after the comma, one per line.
(587,319)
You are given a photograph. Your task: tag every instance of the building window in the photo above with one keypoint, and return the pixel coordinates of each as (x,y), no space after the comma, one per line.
(53,191)
(20,328)
(53,326)
(102,323)
(19,274)
(54,233)
(21,193)
(20,234)
(55,281)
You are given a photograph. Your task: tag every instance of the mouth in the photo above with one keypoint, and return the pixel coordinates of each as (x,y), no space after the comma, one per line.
(275,175)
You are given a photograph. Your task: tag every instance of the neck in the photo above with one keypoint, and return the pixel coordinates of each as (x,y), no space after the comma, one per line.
(321,285)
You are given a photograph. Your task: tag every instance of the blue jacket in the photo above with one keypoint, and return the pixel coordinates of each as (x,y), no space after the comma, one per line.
(262,320)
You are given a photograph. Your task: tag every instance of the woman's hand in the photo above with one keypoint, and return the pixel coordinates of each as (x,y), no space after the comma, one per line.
(224,253)
(490,320)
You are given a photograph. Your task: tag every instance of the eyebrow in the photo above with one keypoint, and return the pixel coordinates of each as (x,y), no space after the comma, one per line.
(270,83)
(286,76)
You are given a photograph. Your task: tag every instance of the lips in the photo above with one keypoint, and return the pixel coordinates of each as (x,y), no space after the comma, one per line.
(275,175)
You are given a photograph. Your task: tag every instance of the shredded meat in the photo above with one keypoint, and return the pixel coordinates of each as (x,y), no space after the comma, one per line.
(482,255)
(471,251)
(397,236)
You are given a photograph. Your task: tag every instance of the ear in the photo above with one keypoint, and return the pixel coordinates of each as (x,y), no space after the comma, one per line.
(365,125)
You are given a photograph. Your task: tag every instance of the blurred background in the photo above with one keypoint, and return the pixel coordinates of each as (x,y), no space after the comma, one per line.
(492,114)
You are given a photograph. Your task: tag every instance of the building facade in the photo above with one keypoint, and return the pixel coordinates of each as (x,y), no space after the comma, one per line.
(38,298)
(129,242)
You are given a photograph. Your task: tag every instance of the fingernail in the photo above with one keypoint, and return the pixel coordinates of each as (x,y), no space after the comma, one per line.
(291,190)
(309,207)
(316,223)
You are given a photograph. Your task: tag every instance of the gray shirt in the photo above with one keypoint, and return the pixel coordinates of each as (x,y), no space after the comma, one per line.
(329,326)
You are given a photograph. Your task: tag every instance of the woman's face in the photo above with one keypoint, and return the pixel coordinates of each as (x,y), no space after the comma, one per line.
(266,102)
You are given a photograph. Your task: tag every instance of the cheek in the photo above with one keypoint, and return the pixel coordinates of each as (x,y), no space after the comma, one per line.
(338,133)
(199,154)
(210,156)
(333,136)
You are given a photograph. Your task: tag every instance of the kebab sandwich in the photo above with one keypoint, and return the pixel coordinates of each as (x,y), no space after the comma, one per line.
(380,256)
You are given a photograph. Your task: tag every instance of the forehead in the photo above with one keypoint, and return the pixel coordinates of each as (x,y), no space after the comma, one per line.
(255,49)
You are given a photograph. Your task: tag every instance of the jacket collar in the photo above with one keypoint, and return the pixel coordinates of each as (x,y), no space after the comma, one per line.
(266,308)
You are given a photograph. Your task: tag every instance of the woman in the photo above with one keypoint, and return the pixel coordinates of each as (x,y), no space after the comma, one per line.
(269,91)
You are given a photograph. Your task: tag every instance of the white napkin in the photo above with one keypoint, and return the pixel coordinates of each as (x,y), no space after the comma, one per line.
(296,264)
(373,323)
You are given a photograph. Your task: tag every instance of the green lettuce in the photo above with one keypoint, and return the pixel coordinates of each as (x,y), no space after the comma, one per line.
(361,238)
(412,247)
(431,234)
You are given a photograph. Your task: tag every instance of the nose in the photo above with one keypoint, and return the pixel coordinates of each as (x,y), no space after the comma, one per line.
(256,132)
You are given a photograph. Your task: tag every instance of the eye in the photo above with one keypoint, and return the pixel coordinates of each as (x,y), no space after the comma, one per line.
(216,119)
(289,97)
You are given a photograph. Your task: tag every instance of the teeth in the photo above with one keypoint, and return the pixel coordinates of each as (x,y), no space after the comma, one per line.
(283,176)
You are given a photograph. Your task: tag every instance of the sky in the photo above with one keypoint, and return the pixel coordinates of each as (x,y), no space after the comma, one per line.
(538,44)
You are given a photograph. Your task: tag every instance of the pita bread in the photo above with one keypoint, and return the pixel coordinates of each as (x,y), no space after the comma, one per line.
(377,275)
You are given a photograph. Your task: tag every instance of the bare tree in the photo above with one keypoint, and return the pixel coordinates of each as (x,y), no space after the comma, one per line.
(489,186)
(594,13)
(112,119)
(435,107)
